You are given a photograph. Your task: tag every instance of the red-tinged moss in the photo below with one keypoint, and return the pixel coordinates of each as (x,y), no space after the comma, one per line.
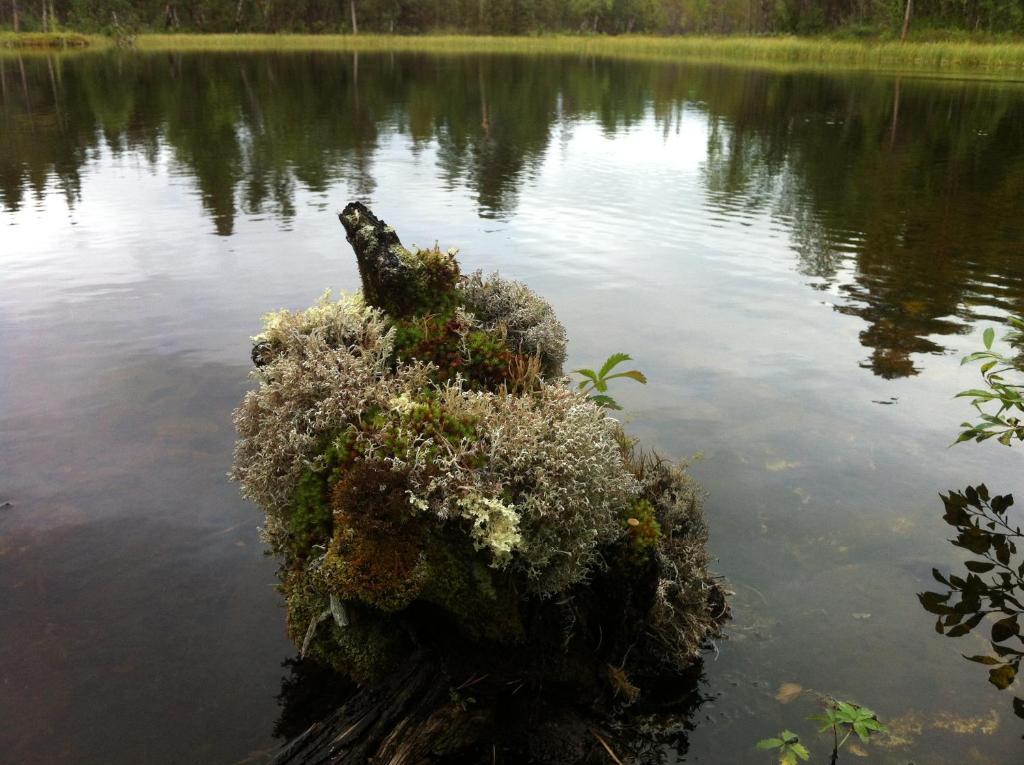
(376,555)
(455,347)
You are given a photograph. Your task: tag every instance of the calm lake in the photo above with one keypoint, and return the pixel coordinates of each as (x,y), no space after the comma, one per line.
(797,261)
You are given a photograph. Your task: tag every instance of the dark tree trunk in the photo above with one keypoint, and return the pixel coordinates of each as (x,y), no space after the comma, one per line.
(14,15)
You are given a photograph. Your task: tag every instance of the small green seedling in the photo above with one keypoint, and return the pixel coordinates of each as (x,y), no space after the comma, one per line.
(787,746)
(595,384)
(843,717)
(846,719)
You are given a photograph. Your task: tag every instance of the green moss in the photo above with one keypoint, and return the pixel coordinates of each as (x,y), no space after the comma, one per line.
(481,357)
(410,422)
(364,650)
(644,531)
(310,520)
(481,600)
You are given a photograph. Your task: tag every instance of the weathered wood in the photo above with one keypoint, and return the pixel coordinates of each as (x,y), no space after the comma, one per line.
(388,277)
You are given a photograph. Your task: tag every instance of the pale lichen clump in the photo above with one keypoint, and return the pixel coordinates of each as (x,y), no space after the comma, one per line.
(432,467)
(529,319)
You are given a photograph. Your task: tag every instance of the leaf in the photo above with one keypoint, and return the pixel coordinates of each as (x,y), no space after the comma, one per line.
(981,659)
(770,743)
(613,361)
(935,603)
(967,626)
(989,337)
(801,751)
(976,393)
(979,567)
(1004,629)
(632,374)
(606,401)
(1002,677)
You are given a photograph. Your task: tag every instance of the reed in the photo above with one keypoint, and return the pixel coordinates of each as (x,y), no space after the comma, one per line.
(942,56)
(999,57)
(50,40)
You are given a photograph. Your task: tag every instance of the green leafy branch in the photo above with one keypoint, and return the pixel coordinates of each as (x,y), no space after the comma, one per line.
(1007,393)
(787,747)
(595,384)
(843,717)
(846,719)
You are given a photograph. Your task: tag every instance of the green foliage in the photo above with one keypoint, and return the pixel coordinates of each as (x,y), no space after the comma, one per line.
(595,384)
(787,747)
(846,718)
(992,588)
(843,718)
(1001,402)
(518,16)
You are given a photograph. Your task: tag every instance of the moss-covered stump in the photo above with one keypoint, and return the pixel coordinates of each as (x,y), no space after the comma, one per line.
(458,529)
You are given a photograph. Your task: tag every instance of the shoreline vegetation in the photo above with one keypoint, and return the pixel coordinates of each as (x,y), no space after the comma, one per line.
(940,56)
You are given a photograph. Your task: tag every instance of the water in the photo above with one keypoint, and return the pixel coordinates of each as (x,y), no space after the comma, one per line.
(797,261)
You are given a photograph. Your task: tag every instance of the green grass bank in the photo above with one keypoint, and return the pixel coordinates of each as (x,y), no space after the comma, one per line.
(939,56)
(51,40)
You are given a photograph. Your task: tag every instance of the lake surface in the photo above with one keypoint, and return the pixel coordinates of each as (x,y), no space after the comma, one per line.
(797,261)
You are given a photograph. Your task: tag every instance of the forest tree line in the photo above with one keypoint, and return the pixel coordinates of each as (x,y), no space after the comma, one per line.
(867,17)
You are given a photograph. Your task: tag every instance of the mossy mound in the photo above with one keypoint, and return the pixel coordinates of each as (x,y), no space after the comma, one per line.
(430,481)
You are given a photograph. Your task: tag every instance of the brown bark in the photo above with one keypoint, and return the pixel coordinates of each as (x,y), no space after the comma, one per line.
(14,15)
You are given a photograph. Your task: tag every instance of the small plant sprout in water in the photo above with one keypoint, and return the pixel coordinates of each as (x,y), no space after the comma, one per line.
(1001,402)
(595,384)
(844,718)
(787,747)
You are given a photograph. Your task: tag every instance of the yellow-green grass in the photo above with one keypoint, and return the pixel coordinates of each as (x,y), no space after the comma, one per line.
(1005,58)
(50,40)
